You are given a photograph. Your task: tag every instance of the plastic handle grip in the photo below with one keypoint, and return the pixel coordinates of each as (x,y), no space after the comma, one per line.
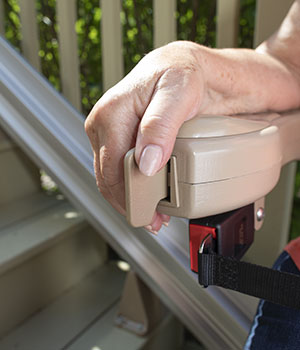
(220,163)
(289,131)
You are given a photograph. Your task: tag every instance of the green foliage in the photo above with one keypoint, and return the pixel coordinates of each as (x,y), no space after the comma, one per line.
(12,22)
(89,46)
(137,23)
(247,15)
(48,33)
(196,21)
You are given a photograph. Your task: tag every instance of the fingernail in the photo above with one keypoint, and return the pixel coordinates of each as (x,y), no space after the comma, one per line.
(150,160)
(150,229)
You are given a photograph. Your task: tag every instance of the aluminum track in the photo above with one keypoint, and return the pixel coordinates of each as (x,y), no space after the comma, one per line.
(51,132)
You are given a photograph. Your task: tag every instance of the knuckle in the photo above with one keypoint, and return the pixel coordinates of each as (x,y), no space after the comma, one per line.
(89,129)
(158,127)
(103,189)
(110,167)
(87,123)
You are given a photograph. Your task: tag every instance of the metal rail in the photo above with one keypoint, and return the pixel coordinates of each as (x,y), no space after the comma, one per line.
(51,132)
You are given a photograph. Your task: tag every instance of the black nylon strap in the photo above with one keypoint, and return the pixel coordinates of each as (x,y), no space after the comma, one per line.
(275,286)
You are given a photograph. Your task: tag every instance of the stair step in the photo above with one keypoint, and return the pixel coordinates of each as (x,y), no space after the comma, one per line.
(11,213)
(19,176)
(104,335)
(38,281)
(29,235)
(46,247)
(64,320)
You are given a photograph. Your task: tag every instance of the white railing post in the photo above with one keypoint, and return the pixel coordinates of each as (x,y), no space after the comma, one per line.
(273,236)
(269,14)
(228,14)
(111,35)
(2,24)
(30,37)
(164,22)
(68,51)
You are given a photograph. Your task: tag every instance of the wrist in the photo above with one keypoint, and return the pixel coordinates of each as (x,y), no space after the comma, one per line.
(247,81)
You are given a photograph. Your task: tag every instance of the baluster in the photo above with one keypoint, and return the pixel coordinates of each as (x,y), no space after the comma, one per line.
(164,22)
(68,51)
(112,49)
(30,36)
(228,15)
(269,14)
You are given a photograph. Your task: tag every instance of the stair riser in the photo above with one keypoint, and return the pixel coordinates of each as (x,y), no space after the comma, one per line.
(19,177)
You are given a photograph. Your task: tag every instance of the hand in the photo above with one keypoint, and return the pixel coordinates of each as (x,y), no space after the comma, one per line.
(145,111)
(170,85)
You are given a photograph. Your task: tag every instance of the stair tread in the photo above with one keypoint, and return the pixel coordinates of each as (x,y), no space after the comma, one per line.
(62,321)
(30,234)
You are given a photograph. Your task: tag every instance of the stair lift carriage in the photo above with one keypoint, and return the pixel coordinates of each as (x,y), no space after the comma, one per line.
(218,165)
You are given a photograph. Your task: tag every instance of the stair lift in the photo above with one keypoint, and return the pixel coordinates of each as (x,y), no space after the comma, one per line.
(220,170)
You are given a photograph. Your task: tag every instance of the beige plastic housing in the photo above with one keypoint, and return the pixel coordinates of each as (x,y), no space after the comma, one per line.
(218,163)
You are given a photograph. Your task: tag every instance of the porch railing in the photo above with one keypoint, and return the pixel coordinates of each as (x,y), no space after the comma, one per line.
(111,34)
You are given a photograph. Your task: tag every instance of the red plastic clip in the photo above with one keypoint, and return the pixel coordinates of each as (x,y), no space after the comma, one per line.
(197,234)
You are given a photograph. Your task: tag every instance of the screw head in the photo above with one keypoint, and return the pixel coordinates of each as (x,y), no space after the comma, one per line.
(260,214)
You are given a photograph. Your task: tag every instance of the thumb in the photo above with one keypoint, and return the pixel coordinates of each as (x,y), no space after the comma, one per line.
(157,132)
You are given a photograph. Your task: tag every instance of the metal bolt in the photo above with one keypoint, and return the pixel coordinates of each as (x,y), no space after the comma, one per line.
(260,214)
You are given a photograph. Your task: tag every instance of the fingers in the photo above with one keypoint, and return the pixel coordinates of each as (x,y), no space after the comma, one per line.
(145,110)
(176,99)
(110,140)
(104,189)
(157,222)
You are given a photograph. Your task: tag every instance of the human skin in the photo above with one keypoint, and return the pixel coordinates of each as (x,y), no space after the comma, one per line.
(174,83)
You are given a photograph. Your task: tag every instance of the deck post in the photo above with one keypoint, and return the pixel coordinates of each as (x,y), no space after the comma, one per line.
(164,22)
(228,14)
(112,47)
(30,37)
(68,51)
(267,22)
